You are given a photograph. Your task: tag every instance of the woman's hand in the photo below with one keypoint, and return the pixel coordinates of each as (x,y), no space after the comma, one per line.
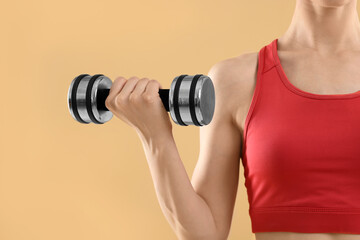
(137,102)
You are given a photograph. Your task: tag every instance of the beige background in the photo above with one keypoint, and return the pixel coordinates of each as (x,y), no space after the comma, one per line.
(60,179)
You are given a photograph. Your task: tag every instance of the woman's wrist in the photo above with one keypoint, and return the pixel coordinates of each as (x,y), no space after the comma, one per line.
(156,142)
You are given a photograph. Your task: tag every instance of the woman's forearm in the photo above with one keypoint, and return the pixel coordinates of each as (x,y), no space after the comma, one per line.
(188,213)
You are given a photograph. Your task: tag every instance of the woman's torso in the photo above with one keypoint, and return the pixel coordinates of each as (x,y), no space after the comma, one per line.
(332,74)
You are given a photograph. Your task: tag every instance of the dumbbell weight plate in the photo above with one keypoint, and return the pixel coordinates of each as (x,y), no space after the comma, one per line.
(195,100)
(82,98)
(71,97)
(205,100)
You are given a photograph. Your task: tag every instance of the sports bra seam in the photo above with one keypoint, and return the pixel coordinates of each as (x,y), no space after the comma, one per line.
(269,69)
(296,92)
(306,209)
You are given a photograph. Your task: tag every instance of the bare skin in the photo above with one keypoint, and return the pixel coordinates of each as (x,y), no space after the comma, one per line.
(320,53)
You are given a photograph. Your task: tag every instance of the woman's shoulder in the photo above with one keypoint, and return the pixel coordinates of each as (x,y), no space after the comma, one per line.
(236,76)
(238,67)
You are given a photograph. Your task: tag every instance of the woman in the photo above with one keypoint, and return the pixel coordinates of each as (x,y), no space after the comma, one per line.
(291,112)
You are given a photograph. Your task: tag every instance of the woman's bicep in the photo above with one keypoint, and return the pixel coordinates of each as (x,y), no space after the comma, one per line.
(215,177)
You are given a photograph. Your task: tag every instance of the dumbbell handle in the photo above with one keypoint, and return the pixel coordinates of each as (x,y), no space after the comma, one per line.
(102,94)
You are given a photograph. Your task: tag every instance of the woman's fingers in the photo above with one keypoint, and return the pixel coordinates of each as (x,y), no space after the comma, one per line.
(127,92)
(137,102)
(140,87)
(122,90)
(116,87)
(151,90)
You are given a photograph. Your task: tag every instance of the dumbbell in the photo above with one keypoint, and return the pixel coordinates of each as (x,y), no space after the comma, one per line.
(190,99)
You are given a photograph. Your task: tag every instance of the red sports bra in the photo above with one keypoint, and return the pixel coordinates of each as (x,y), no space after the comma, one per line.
(301,155)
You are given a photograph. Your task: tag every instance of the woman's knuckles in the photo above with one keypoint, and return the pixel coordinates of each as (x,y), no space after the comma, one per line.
(143,80)
(132,80)
(153,81)
(120,102)
(148,98)
(110,103)
(120,79)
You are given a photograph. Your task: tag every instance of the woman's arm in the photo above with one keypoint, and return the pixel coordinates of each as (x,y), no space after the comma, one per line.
(188,214)
(201,209)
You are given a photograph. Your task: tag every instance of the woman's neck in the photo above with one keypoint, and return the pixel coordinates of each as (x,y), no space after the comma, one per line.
(325,26)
